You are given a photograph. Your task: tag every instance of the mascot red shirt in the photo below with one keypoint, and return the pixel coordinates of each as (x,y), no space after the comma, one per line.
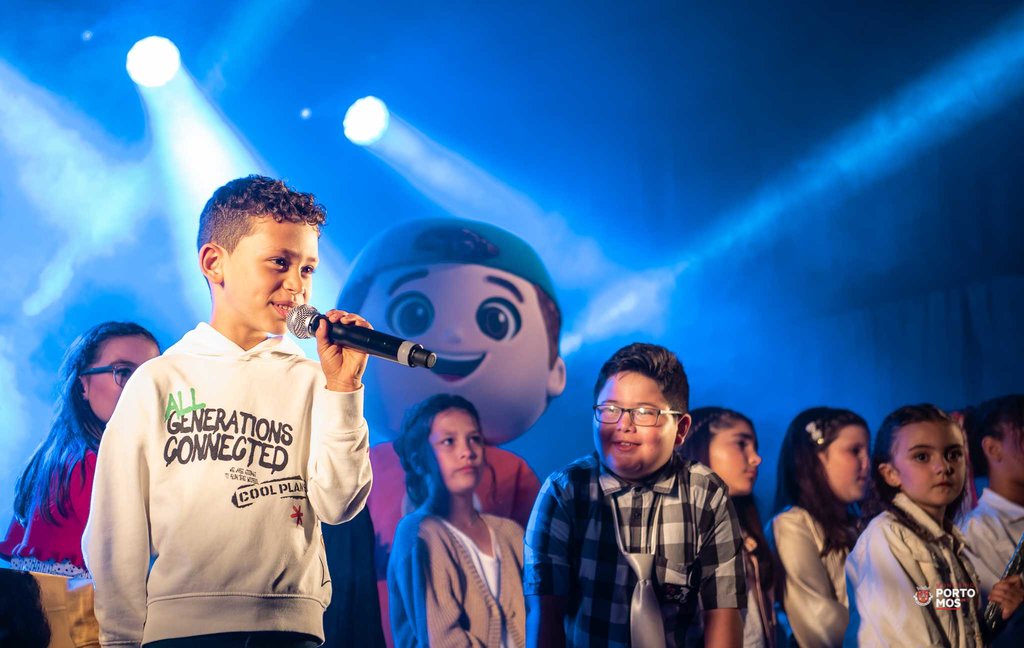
(480,298)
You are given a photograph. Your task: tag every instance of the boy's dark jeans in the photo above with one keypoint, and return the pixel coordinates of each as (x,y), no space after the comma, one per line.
(240,640)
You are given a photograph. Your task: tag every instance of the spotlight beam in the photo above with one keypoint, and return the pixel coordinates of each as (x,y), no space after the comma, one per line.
(97,206)
(198,150)
(930,111)
(366,121)
(464,189)
(153,61)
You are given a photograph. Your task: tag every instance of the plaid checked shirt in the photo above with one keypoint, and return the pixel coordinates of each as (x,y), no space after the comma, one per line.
(570,548)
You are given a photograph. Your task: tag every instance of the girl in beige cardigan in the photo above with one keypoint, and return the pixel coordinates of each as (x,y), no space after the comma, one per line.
(454,575)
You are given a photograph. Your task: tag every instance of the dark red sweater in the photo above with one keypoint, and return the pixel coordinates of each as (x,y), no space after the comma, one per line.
(44,540)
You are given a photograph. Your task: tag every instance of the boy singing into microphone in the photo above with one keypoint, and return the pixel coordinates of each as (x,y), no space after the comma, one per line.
(227,452)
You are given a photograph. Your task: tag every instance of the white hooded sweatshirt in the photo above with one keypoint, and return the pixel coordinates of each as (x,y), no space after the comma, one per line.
(213,476)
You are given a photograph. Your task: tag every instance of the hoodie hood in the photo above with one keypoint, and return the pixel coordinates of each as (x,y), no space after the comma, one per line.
(204,340)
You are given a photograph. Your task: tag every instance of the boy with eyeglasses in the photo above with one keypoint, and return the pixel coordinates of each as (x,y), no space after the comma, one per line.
(225,454)
(624,544)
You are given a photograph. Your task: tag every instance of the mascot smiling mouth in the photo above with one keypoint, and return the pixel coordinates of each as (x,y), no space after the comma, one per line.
(452,367)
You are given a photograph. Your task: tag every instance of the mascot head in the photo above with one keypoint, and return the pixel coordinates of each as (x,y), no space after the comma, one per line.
(476,295)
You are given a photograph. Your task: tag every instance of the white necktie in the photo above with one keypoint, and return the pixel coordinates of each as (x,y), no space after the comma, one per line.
(646,627)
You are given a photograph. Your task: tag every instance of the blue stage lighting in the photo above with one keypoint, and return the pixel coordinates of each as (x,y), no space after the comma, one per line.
(366,121)
(153,61)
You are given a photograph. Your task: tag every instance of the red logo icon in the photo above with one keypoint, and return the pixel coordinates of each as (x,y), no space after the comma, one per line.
(923,596)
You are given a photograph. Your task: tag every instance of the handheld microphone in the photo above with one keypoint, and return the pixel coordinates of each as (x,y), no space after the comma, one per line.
(304,320)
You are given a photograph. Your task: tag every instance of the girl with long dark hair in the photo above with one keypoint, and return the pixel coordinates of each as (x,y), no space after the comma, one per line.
(51,505)
(822,479)
(454,574)
(725,441)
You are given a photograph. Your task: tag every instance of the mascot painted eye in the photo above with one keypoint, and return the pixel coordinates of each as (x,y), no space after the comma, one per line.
(410,314)
(498,319)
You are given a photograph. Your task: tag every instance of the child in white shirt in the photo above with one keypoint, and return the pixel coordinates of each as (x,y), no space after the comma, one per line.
(995,434)
(909,578)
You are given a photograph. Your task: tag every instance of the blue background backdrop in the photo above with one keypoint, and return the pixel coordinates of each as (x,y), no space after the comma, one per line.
(847,211)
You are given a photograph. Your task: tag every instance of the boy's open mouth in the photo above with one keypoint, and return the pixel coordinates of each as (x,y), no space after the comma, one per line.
(452,367)
(282,309)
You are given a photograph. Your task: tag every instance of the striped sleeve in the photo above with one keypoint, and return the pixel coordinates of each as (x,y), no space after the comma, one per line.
(722,579)
(546,545)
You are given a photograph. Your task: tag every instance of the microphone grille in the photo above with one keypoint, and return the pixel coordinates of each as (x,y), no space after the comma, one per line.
(298,320)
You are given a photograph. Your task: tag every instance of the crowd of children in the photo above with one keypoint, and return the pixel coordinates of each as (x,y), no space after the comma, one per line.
(196,503)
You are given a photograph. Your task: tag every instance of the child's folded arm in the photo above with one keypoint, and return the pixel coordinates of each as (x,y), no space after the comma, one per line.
(818,619)
(882,579)
(116,541)
(339,460)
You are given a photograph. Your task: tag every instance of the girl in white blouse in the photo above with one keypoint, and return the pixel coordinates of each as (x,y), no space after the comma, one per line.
(822,477)
(909,577)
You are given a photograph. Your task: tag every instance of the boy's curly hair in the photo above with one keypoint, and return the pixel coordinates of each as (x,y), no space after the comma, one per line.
(232,210)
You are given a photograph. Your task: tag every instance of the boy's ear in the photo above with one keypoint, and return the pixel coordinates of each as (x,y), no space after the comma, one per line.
(683,429)
(556,379)
(992,448)
(211,263)
(889,474)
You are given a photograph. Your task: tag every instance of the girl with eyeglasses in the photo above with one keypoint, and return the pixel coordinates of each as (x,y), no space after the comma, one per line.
(51,502)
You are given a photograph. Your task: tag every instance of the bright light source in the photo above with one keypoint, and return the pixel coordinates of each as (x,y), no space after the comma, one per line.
(366,121)
(305,113)
(153,61)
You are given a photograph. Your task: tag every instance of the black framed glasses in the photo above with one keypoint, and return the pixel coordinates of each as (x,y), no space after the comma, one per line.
(121,372)
(641,416)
